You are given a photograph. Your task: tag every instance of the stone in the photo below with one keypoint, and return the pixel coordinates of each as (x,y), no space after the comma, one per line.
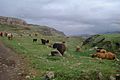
(112,78)
(55,52)
(49,75)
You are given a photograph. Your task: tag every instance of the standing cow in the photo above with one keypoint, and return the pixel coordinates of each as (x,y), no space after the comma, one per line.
(44,41)
(10,36)
(1,34)
(5,34)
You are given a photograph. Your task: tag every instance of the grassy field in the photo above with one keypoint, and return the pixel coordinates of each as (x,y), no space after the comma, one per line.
(72,66)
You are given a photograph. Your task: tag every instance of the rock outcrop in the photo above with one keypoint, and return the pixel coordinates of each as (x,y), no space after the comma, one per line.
(14,21)
(11,22)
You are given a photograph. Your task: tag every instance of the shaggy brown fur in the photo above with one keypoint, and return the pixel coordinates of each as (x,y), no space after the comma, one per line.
(107,55)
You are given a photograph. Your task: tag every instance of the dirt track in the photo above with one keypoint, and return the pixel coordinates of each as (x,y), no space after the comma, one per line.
(11,65)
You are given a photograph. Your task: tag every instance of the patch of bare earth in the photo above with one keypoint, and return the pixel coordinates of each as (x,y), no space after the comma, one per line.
(12,66)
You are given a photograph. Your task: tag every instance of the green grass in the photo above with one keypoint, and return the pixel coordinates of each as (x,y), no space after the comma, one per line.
(73,66)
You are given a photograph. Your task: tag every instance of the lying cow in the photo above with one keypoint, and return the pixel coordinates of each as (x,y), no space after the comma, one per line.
(102,51)
(102,55)
(44,41)
(60,47)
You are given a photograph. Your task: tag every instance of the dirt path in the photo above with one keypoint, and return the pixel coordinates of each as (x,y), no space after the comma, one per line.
(11,65)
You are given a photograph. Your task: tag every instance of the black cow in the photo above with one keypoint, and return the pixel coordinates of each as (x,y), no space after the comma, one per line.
(34,40)
(118,44)
(44,41)
(60,47)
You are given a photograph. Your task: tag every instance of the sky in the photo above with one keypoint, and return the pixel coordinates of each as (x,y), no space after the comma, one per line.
(73,17)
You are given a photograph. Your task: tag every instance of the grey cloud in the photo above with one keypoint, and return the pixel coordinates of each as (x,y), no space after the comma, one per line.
(70,16)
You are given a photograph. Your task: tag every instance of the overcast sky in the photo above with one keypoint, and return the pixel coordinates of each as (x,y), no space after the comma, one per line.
(73,17)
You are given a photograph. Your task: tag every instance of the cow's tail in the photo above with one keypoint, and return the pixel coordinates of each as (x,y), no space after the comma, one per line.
(116,58)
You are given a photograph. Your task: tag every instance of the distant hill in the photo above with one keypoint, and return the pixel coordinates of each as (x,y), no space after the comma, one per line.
(15,24)
(117,32)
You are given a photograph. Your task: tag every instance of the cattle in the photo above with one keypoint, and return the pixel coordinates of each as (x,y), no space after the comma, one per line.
(104,55)
(30,35)
(61,47)
(5,34)
(1,34)
(36,34)
(10,36)
(117,76)
(103,51)
(99,55)
(77,48)
(44,41)
(34,40)
(117,44)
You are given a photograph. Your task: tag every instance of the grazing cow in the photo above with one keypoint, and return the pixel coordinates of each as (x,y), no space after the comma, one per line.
(107,55)
(36,34)
(77,48)
(1,34)
(34,40)
(44,41)
(10,36)
(5,34)
(60,47)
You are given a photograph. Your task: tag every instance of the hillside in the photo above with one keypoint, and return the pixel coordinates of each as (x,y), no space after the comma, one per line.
(110,42)
(71,66)
(19,25)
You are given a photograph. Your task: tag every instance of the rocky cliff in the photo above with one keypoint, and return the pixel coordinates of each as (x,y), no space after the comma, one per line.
(10,20)
(16,24)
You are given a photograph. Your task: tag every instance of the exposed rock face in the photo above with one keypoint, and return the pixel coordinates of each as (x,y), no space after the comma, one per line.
(44,30)
(14,21)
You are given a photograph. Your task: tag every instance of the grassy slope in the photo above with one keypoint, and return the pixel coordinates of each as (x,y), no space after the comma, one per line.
(73,66)
(113,38)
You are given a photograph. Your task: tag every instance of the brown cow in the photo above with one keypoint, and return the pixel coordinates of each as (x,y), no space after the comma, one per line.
(107,55)
(110,56)
(1,34)
(103,51)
